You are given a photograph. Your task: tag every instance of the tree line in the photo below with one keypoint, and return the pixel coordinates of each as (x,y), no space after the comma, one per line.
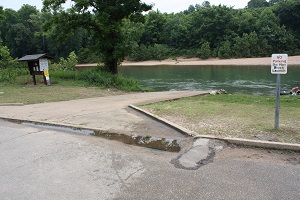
(120,31)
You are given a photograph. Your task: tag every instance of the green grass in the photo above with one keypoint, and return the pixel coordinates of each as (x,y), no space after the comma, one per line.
(65,85)
(16,85)
(29,94)
(243,116)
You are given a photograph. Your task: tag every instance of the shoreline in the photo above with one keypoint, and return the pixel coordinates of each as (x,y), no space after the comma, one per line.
(265,61)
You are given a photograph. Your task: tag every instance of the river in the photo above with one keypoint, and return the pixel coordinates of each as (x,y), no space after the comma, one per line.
(256,80)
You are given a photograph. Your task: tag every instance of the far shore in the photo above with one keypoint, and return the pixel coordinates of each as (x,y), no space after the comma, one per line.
(266,61)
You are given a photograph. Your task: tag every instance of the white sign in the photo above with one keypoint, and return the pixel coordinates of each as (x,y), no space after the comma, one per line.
(279,63)
(44,64)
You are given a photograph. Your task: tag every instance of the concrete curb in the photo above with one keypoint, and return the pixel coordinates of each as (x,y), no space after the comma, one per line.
(11,104)
(164,121)
(235,141)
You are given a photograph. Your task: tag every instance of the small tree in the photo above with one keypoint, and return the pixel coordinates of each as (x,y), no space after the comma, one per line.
(225,50)
(5,59)
(67,64)
(205,51)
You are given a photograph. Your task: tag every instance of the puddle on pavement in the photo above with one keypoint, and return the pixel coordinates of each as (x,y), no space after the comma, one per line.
(164,144)
(60,128)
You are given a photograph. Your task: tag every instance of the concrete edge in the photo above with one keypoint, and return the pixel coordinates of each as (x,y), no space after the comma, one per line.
(16,120)
(164,121)
(173,98)
(11,104)
(234,141)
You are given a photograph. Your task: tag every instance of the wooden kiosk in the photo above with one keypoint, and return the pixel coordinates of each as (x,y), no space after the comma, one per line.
(38,65)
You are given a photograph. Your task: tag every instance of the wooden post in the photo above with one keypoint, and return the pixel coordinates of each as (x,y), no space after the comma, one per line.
(45,80)
(34,79)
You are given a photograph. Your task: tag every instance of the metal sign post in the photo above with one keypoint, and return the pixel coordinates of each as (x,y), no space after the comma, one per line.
(278,66)
(277,108)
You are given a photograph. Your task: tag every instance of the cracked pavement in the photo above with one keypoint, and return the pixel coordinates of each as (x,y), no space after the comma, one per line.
(37,163)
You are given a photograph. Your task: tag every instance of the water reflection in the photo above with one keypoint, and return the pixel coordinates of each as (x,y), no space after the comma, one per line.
(234,79)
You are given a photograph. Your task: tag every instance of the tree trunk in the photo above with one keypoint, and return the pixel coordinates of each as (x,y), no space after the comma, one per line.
(112,66)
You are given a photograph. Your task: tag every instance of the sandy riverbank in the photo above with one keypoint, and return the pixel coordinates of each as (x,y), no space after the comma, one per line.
(292,61)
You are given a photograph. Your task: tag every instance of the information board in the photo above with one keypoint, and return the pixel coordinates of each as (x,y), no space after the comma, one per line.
(44,64)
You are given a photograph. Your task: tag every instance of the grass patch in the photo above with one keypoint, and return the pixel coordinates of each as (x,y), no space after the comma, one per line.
(17,87)
(29,94)
(237,115)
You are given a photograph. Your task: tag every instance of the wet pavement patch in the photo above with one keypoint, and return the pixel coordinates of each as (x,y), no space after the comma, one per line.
(201,153)
(164,144)
(148,141)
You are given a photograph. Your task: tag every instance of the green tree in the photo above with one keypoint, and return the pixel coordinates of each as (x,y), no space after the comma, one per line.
(154,25)
(245,21)
(104,19)
(289,14)
(225,50)
(190,10)
(176,31)
(241,47)
(5,59)
(257,4)
(19,32)
(2,17)
(273,2)
(205,51)
(213,24)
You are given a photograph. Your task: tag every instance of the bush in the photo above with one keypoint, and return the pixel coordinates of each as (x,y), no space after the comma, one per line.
(205,51)
(5,59)
(86,55)
(10,74)
(225,50)
(66,64)
(98,78)
(155,52)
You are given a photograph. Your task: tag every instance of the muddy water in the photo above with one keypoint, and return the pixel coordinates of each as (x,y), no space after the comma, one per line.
(164,144)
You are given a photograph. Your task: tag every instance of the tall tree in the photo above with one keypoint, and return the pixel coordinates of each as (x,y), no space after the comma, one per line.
(213,25)
(289,14)
(104,19)
(154,25)
(257,4)
(273,2)
(1,14)
(18,31)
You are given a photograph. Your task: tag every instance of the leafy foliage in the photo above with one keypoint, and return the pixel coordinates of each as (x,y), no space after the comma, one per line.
(110,31)
(97,77)
(104,22)
(66,64)
(205,51)
(5,59)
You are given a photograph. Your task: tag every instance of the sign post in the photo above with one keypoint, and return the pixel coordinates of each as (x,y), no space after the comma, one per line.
(278,66)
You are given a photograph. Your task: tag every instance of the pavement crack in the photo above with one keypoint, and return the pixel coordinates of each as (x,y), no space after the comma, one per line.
(137,171)
(114,167)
